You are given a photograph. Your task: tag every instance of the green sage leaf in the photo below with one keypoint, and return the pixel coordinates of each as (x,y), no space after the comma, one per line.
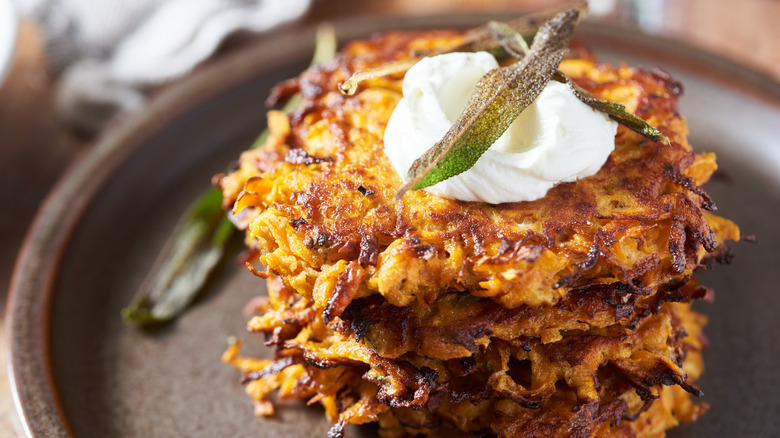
(476,40)
(196,246)
(198,242)
(499,97)
(616,111)
(516,46)
(350,86)
(482,38)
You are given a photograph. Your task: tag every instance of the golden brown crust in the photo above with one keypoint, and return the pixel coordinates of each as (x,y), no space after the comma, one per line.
(564,316)
(328,199)
(575,386)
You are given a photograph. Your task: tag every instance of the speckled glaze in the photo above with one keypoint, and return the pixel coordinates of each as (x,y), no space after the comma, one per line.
(78,370)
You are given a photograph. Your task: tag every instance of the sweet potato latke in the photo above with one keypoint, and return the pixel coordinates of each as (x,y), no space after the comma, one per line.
(564,316)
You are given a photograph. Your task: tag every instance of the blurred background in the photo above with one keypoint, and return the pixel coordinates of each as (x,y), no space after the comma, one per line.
(68,68)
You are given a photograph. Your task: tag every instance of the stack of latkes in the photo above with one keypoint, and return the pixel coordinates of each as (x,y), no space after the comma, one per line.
(565,316)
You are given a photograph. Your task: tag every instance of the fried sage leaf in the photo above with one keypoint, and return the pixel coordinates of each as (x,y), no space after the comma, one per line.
(197,243)
(350,86)
(616,111)
(513,42)
(185,262)
(482,38)
(499,97)
(476,40)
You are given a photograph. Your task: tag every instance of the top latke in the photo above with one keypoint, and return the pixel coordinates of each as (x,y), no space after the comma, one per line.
(318,200)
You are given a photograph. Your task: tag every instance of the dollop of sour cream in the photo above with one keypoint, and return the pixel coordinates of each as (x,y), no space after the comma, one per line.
(557,138)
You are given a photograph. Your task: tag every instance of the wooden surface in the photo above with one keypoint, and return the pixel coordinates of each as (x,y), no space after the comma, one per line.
(34,150)
(35,147)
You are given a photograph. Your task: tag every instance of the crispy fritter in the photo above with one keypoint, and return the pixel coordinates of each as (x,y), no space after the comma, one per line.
(318,201)
(586,378)
(565,316)
(457,324)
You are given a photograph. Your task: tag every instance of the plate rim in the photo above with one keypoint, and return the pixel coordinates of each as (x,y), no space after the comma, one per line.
(36,268)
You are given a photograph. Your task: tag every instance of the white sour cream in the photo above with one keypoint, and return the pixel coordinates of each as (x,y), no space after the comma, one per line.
(557,138)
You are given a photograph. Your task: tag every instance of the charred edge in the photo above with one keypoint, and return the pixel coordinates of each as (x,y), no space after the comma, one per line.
(369,249)
(699,230)
(363,313)
(722,256)
(357,324)
(610,289)
(283,91)
(417,400)
(275,368)
(674,291)
(585,420)
(658,375)
(345,290)
(590,261)
(605,237)
(529,253)
(364,191)
(423,251)
(466,338)
(310,358)
(426,381)
(615,409)
(505,246)
(321,240)
(677,247)
(644,266)
(674,86)
(683,181)
(529,248)
(622,302)
(574,349)
(295,223)
(299,318)
(467,364)
(422,381)
(691,388)
(526,402)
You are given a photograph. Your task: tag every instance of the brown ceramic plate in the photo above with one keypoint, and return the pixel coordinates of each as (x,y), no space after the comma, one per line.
(78,370)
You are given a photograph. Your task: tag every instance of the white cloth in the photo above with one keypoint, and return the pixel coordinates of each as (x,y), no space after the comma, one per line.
(8,29)
(110,51)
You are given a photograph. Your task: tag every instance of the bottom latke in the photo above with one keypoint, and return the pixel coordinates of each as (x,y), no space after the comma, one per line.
(612,381)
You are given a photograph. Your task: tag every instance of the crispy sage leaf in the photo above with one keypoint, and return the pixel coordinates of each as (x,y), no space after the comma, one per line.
(197,243)
(325,45)
(499,97)
(516,46)
(476,40)
(511,40)
(616,111)
(349,87)
(185,262)
(482,38)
